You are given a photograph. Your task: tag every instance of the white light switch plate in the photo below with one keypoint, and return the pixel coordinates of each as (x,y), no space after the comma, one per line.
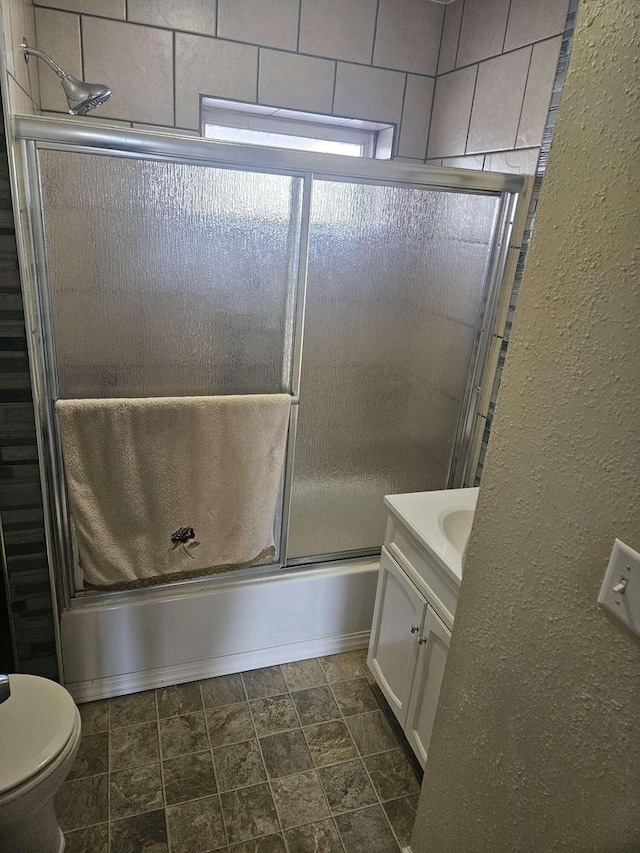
(623,573)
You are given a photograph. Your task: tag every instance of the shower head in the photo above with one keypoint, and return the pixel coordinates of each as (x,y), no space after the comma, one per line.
(82,97)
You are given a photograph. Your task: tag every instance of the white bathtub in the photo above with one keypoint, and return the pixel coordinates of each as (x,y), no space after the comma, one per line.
(125,642)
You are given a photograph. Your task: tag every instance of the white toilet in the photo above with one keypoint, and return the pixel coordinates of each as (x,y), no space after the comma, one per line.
(39,737)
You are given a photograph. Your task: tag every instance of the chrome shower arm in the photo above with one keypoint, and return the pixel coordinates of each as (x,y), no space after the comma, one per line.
(33,51)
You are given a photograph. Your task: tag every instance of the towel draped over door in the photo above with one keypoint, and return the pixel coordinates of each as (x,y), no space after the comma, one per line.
(169,487)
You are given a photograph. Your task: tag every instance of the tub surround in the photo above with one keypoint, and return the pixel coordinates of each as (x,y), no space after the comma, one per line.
(124,642)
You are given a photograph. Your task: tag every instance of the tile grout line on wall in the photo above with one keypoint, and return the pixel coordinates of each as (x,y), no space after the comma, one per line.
(175,82)
(299,26)
(524,95)
(81,37)
(258,63)
(506,26)
(335,83)
(473,98)
(396,142)
(498,55)
(375,32)
(455,61)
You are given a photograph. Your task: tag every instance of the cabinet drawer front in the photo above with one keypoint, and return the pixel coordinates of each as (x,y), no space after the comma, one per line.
(393,648)
(422,569)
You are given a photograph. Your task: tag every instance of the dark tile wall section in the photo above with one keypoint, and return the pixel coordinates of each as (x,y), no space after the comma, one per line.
(21,510)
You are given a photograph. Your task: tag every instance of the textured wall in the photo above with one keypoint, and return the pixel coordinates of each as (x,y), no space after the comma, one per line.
(536,742)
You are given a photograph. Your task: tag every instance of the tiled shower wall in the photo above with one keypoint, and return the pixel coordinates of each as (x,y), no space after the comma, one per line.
(366,59)
(496,69)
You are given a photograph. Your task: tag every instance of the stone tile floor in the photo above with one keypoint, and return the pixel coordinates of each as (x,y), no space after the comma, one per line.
(300,758)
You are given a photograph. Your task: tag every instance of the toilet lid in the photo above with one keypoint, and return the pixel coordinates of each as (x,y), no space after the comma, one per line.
(36,723)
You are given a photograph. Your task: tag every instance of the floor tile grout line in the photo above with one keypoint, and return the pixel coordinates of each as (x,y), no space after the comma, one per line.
(319,778)
(324,793)
(264,763)
(161,759)
(213,766)
(109,774)
(366,769)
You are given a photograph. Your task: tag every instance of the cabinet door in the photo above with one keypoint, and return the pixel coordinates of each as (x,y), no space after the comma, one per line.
(397,620)
(433,645)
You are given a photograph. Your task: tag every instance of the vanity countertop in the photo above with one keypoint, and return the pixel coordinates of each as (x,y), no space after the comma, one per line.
(425,514)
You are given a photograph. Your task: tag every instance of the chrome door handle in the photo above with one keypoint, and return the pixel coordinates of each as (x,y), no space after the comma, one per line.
(414,629)
(422,640)
(5,688)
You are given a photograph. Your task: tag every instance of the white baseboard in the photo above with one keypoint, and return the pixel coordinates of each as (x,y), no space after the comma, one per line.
(133,682)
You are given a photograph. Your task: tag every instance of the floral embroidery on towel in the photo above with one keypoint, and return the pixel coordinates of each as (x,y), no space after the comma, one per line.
(181,537)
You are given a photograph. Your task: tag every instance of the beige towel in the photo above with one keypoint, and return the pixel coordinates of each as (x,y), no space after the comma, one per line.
(140,470)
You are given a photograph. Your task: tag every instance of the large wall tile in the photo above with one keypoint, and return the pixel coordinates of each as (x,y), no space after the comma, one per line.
(368,93)
(498,101)
(137,63)
(298,82)
(408,35)
(450,36)
(415,117)
(58,34)
(198,16)
(452,103)
(204,66)
(340,29)
(542,72)
(520,162)
(482,32)
(270,22)
(104,8)
(529,22)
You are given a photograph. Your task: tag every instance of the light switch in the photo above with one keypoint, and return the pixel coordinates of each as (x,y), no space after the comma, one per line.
(620,590)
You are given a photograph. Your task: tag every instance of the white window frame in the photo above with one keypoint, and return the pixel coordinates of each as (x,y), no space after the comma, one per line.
(374,138)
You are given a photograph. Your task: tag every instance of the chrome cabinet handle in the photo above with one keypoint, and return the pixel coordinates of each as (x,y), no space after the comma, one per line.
(5,688)
(414,629)
(422,640)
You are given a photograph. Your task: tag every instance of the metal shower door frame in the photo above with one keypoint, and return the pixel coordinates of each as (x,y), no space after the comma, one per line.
(35,133)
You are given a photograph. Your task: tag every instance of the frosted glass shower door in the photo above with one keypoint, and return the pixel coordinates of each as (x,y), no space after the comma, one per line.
(394,298)
(169,279)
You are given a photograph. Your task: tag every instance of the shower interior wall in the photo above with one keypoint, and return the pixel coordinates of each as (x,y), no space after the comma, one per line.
(382,63)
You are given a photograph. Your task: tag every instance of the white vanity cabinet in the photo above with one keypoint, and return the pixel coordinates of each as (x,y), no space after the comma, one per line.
(413,616)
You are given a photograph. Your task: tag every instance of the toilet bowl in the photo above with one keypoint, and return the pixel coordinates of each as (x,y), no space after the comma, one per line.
(39,737)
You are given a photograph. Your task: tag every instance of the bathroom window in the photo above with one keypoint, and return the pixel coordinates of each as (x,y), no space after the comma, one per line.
(254,124)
